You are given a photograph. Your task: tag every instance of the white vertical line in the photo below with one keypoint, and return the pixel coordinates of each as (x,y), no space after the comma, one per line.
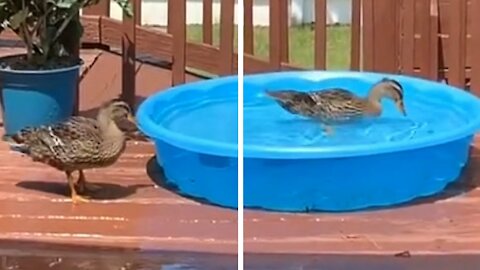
(240,132)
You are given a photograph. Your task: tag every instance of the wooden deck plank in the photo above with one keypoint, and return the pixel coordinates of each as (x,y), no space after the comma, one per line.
(130,212)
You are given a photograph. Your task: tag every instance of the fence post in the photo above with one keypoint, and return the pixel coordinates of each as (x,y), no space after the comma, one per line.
(381,35)
(226,37)
(177,28)
(475,54)
(320,34)
(248,25)
(278,33)
(355,38)
(207,21)
(128,53)
(457,42)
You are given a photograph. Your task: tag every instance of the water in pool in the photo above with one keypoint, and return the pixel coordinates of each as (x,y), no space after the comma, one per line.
(218,119)
(267,124)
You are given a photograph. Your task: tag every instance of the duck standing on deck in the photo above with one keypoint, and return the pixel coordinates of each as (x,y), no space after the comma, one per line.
(336,105)
(79,143)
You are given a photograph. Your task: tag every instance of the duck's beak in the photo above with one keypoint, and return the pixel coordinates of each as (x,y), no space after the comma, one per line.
(401,107)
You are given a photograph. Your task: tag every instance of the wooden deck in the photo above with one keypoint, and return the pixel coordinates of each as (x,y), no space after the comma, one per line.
(131,212)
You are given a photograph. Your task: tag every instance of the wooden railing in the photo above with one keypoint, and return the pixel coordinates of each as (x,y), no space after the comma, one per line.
(434,39)
(171,46)
(279,37)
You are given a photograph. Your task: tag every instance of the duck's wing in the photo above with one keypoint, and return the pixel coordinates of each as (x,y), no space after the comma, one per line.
(74,128)
(61,143)
(293,101)
(337,94)
(337,104)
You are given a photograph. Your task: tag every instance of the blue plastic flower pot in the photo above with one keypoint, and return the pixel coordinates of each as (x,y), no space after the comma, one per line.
(33,98)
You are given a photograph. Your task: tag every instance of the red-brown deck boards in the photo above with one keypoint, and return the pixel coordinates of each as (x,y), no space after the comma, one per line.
(130,212)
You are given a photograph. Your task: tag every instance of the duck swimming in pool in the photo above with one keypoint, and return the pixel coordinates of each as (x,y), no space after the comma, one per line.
(335,105)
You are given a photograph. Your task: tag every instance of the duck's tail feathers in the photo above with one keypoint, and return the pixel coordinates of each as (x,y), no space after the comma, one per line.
(285,94)
(18,142)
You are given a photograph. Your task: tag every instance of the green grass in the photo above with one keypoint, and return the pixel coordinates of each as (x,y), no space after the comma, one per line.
(301,44)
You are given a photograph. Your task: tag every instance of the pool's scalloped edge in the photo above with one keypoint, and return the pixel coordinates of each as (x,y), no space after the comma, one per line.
(224,149)
(160,132)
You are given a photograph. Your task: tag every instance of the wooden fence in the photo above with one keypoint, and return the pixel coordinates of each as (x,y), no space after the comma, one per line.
(279,37)
(170,46)
(434,39)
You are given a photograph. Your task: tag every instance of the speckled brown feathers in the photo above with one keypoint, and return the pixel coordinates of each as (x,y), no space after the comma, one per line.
(79,143)
(294,102)
(74,144)
(63,145)
(337,105)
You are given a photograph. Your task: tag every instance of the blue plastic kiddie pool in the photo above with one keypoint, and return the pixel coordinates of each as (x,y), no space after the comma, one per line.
(291,166)
(194,128)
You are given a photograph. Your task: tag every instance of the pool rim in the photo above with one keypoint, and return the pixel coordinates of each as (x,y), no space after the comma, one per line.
(195,144)
(203,145)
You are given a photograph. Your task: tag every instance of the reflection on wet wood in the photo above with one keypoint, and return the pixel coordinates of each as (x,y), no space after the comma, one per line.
(37,256)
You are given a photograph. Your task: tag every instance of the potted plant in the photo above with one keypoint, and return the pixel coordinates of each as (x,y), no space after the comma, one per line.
(38,86)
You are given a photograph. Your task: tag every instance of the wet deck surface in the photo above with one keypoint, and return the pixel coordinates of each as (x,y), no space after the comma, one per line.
(39,257)
(360,262)
(34,256)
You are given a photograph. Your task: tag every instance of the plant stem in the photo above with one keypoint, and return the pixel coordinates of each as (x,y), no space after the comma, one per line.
(43,35)
(27,37)
(23,32)
(66,22)
(28,42)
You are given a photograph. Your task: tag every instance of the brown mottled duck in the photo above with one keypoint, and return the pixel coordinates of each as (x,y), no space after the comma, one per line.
(79,143)
(335,105)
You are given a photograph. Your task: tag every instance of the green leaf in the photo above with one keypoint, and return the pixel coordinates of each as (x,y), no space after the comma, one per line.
(126,7)
(66,3)
(18,18)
